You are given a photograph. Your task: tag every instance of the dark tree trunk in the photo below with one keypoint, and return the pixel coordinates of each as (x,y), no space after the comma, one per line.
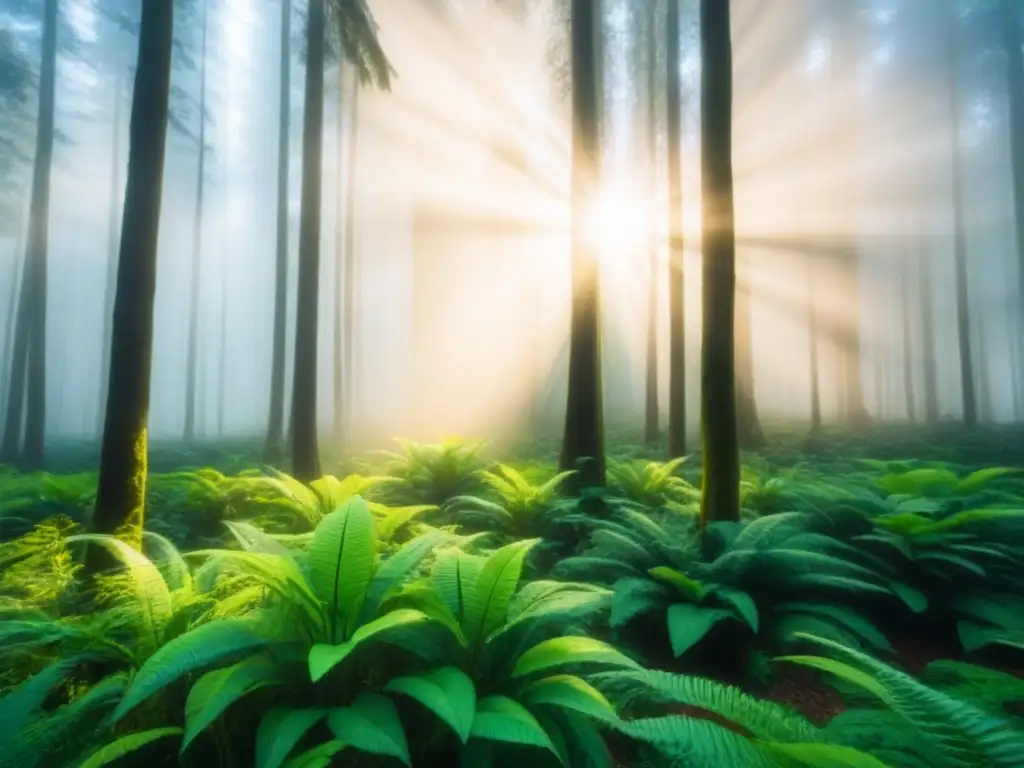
(924,285)
(720,487)
(908,345)
(38,242)
(676,274)
(113,232)
(305,454)
(275,422)
(120,500)
(348,320)
(1014,58)
(14,419)
(197,254)
(583,440)
(13,303)
(651,414)
(963,323)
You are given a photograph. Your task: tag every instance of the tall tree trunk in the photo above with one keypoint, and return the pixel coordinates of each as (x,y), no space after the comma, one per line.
(924,285)
(113,232)
(813,342)
(908,345)
(350,297)
(720,488)
(963,323)
(583,440)
(120,499)
(651,413)
(305,454)
(340,267)
(13,302)
(1014,62)
(676,273)
(39,223)
(15,407)
(275,421)
(197,253)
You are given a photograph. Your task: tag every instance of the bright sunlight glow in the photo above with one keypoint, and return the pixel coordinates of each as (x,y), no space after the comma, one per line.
(617,224)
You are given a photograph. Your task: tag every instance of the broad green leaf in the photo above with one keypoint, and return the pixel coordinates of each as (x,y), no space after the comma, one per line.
(280,729)
(151,592)
(692,589)
(455,575)
(215,643)
(499,718)
(447,692)
(395,570)
(126,745)
(563,651)
(372,725)
(569,692)
(741,602)
(488,608)
(341,561)
(323,658)
(215,691)
(320,756)
(689,623)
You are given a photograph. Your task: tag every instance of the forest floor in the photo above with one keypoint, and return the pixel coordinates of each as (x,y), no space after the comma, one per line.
(898,477)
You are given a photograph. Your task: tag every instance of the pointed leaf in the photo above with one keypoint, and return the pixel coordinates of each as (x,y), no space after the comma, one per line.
(372,725)
(563,651)
(280,729)
(323,658)
(447,692)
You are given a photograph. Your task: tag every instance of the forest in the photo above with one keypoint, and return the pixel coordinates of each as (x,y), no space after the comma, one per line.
(597,383)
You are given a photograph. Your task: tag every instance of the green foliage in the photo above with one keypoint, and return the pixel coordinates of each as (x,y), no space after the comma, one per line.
(436,472)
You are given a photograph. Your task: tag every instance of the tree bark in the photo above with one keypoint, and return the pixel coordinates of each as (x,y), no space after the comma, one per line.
(720,487)
(197,253)
(813,342)
(924,282)
(676,272)
(305,454)
(1014,63)
(33,454)
(963,322)
(583,439)
(910,397)
(13,305)
(339,265)
(651,413)
(113,232)
(275,421)
(120,499)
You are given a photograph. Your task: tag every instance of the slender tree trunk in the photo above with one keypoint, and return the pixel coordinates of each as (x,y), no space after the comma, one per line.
(924,285)
(676,273)
(15,406)
(813,342)
(113,232)
(275,421)
(33,454)
(720,487)
(583,440)
(305,454)
(963,323)
(351,270)
(1014,58)
(120,500)
(13,301)
(340,266)
(197,254)
(908,345)
(651,412)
